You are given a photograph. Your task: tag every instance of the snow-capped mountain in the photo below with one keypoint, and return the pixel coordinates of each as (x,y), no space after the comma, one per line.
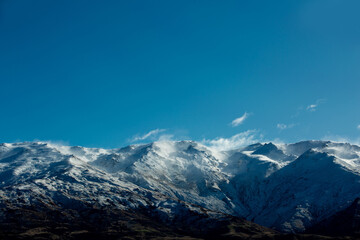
(289,187)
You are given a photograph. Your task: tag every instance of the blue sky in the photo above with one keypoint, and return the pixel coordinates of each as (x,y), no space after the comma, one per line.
(107,74)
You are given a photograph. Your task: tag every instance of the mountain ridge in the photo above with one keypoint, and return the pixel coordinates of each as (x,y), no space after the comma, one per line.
(281,186)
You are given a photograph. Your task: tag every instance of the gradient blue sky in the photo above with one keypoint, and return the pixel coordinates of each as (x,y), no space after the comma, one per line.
(104,73)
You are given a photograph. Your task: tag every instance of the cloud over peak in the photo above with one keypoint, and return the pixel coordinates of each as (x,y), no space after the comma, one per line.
(233,142)
(152,133)
(236,122)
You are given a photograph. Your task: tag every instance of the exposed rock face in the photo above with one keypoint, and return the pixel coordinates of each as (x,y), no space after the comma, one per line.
(345,222)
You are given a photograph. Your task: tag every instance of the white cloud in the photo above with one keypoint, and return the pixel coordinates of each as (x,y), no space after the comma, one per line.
(166,137)
(152,133)
(358,127)
(313,107)
(283,126)
(234,142)
(54,142)
(240,120)
(341,139)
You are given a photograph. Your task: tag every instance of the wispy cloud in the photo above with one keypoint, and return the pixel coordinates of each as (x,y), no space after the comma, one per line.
(148,135)
(54,142)
(313,107)
(240,120)
(342,139)
(234,142)
(283,126)
(358,127)
(166,137)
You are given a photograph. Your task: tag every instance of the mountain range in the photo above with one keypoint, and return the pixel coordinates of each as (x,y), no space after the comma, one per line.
(180,189)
